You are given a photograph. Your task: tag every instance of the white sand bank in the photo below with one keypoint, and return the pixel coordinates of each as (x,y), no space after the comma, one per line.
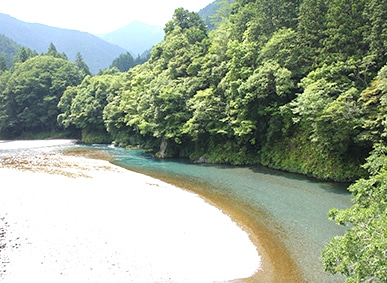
(114,226)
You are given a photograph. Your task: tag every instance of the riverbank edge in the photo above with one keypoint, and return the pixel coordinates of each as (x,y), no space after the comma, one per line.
(277,264)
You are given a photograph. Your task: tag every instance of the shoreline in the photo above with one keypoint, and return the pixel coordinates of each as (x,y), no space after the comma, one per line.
(79,180)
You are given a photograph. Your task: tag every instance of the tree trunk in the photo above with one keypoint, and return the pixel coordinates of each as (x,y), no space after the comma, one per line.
(163,147)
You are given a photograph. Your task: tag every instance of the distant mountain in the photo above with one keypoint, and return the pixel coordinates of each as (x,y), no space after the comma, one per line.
(136,37)
(97,53)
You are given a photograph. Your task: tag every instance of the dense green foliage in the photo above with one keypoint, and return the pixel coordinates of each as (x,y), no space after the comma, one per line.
(30,92)
(82,105)
(295,85)
(278,83)
(361,253)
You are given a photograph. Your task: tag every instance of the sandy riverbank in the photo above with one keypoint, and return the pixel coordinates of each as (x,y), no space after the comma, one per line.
(75,219)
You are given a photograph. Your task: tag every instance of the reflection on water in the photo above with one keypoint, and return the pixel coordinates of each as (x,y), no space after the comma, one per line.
(296,206)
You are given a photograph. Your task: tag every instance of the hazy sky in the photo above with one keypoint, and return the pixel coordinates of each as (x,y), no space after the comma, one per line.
(96,16)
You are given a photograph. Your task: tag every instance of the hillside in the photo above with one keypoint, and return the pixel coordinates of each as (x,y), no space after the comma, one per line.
(136,37)
(97,53)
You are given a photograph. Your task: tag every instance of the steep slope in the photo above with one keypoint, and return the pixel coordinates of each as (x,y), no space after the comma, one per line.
(136,37)
(97,53)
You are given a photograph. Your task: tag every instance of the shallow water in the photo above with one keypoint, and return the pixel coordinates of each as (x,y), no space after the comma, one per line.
(295,207)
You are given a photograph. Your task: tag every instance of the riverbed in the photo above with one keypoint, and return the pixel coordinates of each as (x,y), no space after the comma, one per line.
(75,217)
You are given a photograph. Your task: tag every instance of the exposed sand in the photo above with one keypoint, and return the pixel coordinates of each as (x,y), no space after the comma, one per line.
(75,219)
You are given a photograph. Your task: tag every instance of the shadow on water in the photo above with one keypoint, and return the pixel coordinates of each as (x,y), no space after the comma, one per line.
(340,188)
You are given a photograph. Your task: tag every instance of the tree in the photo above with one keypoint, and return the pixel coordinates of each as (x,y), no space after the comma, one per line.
(32,92)
(376,31)
(24,54)
(311,30)
(258,98)
(81,64)
(216,12)
(373,103)
(328,106)
(283,48)
(5,122)
(208,116)
(154,101)
(52,51)
(361,253)
(274,76)
(114,113)
(258,20)
(83,106)
(185,20)
(345,30)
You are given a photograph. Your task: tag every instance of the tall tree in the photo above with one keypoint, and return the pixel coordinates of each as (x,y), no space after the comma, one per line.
(345,30)
(52,51)
(185,20)
(376,31)
(81,64)
(311,30)
(24,54)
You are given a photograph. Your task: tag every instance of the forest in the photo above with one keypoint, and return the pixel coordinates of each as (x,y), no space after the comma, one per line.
(299,86)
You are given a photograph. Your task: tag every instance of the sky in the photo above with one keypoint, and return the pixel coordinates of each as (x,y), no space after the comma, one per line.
(95,16)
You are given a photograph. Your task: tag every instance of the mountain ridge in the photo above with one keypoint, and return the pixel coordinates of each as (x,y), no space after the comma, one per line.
(97,50)
(131,37)
(97,53)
